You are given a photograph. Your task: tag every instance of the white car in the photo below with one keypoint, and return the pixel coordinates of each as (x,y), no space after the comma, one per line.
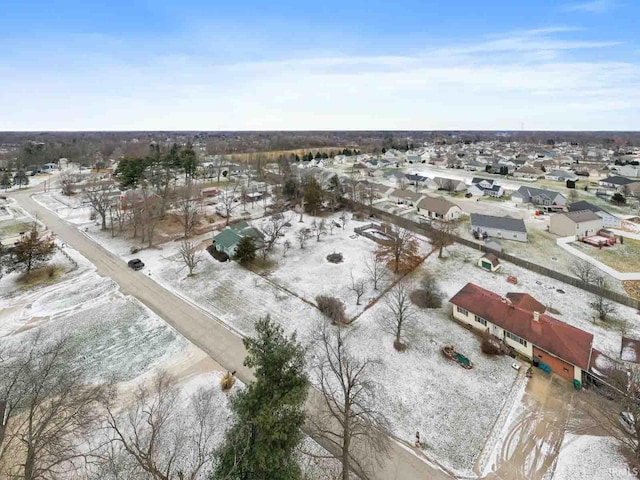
(627,421)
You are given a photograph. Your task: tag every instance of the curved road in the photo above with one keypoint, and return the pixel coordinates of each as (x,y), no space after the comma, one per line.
(201,328)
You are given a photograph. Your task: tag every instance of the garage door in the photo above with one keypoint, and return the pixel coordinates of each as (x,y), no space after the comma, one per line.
(559,367)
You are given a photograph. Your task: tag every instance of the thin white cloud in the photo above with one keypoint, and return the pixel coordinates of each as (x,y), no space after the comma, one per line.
(592,6)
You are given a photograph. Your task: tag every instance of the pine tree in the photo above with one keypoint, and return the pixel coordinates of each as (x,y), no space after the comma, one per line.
(5,181)
(246,250)
(312,196)
(20,178)
(261,444)
(32,251)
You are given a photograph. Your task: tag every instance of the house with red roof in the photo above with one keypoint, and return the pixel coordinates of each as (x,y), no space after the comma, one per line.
(533,334)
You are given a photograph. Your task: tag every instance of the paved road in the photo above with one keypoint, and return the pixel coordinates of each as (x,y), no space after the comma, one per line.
(201,328)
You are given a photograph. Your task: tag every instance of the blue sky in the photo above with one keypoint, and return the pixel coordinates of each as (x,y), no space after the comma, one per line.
(350,64)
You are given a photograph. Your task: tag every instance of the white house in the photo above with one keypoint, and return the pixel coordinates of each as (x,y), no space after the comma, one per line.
(507,228)
(565,349)
(438,208)
(538,196)
(581,223)
(485,186)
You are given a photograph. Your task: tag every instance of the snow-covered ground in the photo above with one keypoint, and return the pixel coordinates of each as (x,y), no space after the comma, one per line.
(588,456)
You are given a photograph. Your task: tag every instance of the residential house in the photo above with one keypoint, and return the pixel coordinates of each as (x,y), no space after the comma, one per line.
(227,240)
(507,228)
(438,208)
(475,166)
(485,186)
(404,197)
(528,172)
(581,223)
(526,301)
(450,184)
(538,196)
(417,180)
(398,176)
(608,219)
(561,176)
(537,336)
(619,184)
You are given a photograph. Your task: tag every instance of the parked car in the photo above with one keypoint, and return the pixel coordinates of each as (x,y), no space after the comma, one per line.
(628,423)
(135,264)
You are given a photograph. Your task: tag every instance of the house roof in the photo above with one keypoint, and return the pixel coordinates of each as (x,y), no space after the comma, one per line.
(444,181)
(581,216)
(437,205)
(502,223)
(583,205)
(561,174)
(526,301)
(475,180)
(227,238)
(617,180)
(416,178)
(530,192)
(492,258)
(630,350)
(558,338)
(530,170)
(407,194)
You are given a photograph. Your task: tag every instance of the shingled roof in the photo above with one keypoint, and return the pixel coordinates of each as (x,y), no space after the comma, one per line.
(503,223)
(550,334)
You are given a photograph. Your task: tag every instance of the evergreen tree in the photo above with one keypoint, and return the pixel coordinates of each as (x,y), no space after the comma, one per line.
(246,250)
(261,443)
(290,189)
(5,180)
(189,160)
(312,196)
(21,178)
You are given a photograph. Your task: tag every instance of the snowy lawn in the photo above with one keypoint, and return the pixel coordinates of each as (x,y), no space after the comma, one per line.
(588,456)
(308,273)
(623,257)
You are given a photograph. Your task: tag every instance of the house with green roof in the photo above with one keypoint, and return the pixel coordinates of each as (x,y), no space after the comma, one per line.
(227,240)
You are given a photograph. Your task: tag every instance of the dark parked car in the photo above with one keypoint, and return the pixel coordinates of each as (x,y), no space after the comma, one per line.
(135,264)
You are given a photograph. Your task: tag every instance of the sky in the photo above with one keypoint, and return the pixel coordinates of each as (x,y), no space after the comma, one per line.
(324,65)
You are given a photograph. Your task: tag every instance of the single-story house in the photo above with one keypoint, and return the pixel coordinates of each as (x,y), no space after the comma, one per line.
(561,176)
(489,262)
(507,227)
(405,197)
(534,335)
(415,179)
(227,240)
(538,196)
(581,223)
(632,171)
(528,172)
(475,166)
(438,208)
(620,184)
(608,219)
(450,184)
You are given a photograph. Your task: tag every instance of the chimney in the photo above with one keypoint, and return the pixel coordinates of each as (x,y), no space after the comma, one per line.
(536,316)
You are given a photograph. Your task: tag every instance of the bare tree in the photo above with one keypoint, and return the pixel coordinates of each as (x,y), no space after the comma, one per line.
(399,318)
(51,408)
(99,195)
(349,422)
(273,230)
(67,183)
(376,268)
(117,218)
(344,218)
(190,255)
(603,307)
(161,176)
(443,234)
(586,271)
(160,443)
(151,214)
(285,247)
(331,225)
(188,211)
(228,199)
(302,236)
(358,287)
(319,228)
(401,251)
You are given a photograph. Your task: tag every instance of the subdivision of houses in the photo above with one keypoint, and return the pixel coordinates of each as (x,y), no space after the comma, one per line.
(485,186)
(539,337)
(608,219)
(538,196)
(438,208)
(581,223)
(227,240)
(507,228)
(561,176)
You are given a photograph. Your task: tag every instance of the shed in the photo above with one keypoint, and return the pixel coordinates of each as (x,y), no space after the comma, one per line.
(489,262)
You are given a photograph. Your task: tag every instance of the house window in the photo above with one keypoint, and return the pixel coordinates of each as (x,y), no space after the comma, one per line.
(481,320)
(565,369)
(462,311)
(516,338)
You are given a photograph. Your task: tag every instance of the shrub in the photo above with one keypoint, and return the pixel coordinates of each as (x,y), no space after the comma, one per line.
(425,299)
(335,258)
(490,345)
(331,307)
